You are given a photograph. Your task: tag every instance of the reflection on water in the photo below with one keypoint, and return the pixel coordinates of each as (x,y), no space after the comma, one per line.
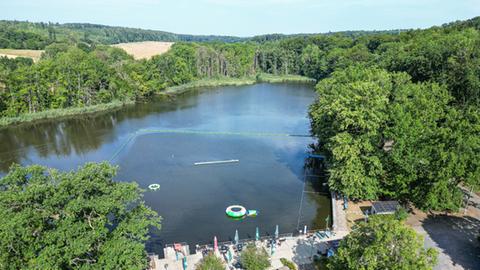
(271,176)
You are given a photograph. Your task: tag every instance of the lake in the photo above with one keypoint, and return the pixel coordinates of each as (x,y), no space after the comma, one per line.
(160,142)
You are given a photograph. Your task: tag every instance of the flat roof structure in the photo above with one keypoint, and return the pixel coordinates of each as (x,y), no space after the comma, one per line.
(385,207)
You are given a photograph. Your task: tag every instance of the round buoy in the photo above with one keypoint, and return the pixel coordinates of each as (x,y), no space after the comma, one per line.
(236,211)
(154,187)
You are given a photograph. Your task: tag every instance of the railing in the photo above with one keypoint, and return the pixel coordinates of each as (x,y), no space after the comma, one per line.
(244,241)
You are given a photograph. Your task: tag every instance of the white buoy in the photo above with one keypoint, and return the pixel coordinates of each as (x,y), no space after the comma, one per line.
(154,187)
(216,162)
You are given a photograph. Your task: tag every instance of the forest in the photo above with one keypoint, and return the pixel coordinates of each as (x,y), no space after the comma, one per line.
(397,115)
(30,35)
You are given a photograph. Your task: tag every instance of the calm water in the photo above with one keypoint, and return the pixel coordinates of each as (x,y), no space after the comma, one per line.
(232,122)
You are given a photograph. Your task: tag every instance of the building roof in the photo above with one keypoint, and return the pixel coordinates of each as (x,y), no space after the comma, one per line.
(385,207)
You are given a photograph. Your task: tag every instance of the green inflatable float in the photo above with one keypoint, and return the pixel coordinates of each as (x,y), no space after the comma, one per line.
(238,211)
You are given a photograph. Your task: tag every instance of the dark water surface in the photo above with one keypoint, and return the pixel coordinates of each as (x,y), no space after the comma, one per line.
(232,124)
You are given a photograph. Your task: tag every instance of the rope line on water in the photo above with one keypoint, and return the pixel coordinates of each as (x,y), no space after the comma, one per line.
(199,132)
(257,134)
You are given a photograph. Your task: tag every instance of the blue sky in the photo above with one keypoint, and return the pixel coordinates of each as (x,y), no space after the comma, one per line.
(246,17)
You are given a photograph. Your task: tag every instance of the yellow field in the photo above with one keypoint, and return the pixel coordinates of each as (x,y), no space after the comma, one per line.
(12,53)
(145,49)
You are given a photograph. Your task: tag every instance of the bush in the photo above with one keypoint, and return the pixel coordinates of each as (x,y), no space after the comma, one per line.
(288,264)
(253,258)
(210,262)
(401,214)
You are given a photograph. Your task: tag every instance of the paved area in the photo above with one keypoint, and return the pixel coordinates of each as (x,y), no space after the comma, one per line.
(340,218)
(299,249)
(454,236)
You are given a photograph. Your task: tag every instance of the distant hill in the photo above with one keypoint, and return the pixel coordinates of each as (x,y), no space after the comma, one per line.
(35,36)
(29,35)
(273,37)
(470,23)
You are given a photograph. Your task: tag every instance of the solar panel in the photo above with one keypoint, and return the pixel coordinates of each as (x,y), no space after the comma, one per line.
(384,207)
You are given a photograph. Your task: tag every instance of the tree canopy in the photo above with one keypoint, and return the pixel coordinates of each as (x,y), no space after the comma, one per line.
(386,136)
(383,243)
(72,220)
(210,262)
(253,258)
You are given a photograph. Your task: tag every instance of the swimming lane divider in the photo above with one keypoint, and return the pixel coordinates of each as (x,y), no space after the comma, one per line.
(182,131)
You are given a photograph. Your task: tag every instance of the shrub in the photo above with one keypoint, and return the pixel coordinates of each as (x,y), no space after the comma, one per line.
(210,262)
(288,264)
(253,258)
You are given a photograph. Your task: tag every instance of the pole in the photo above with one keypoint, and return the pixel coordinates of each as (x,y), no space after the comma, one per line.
(468,199)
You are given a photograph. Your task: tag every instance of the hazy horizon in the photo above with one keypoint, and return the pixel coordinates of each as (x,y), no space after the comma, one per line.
(245,18)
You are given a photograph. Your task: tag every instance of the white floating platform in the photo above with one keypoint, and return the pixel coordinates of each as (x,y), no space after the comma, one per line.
(216,162)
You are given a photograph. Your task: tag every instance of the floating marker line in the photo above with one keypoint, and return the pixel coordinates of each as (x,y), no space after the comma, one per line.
(140,132)
(183,131)
(216,162)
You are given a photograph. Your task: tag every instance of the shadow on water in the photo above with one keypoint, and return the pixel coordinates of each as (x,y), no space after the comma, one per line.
(316,190)
(77,134)
(457,237)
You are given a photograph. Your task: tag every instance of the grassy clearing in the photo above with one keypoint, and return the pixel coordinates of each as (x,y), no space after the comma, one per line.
(209,83)
(145,49)
(59,113)
(12,53)
(270,78)
(216,82)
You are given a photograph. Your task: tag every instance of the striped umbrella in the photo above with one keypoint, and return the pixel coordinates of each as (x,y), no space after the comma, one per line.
(236,237)
(257,234)
(185,263)
(229,255)
(215,244)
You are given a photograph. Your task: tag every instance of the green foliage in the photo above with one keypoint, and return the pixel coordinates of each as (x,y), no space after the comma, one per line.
(383,243)
(347,117)
(397,115)
(210,262)
(253,258)
(401,214)
(28,35)
(13,38)
(314,63)
(388,137)
(72,220)
(451,58)
(288,264)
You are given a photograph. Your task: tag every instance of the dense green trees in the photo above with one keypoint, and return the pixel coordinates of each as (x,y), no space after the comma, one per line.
(447,57)
(28,35)
(383,243)
(347,117)
(388,137)
(72,220)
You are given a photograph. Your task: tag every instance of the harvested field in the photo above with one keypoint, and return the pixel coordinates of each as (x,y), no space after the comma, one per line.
(12,53)
(145,49)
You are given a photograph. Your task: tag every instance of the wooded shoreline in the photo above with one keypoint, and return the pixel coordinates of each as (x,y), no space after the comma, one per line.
(6,122)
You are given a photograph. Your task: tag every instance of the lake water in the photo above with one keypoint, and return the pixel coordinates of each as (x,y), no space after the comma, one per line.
(159,142)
